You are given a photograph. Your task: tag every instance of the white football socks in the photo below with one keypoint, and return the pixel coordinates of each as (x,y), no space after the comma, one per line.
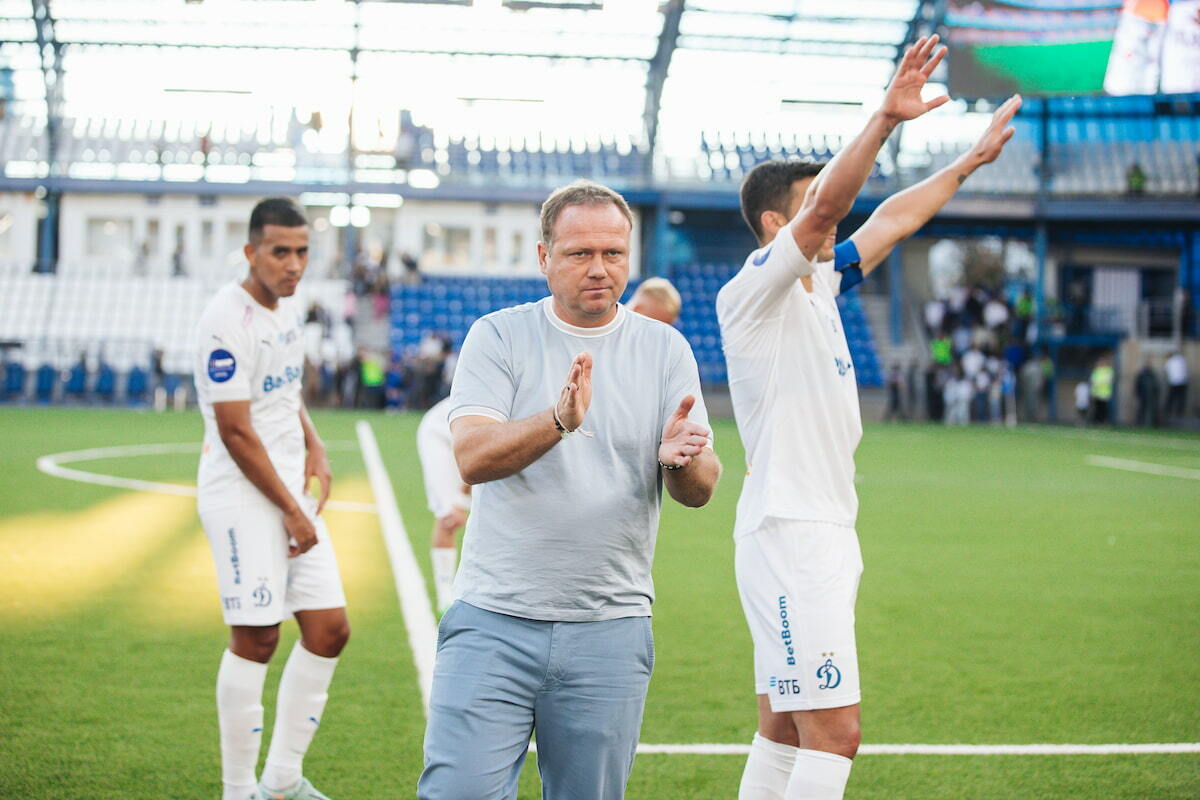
(818,775)
(303,690)
(768,768)
(240,719)
(443,575)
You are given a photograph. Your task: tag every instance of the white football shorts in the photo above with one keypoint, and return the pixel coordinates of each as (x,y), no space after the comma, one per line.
(443,483)
(259,585)
(798,582)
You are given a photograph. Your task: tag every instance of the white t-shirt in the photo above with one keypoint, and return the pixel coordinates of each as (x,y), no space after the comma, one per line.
(246,351)
(1177,373)
(793,388)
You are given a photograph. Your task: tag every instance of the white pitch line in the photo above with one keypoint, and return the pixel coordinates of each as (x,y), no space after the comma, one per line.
(1144,467)
(1112,437)
(52,465)
(410,584)
(947,749)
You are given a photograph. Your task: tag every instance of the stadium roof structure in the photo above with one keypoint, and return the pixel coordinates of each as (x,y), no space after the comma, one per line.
(635,70)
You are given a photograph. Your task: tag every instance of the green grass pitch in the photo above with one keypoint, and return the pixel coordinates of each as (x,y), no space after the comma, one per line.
(1012,595)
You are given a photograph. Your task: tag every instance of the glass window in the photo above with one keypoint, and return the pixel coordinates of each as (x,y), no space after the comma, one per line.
(110,238)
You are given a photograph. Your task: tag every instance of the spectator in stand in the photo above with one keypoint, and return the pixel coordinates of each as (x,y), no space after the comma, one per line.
(381,295)
(1024,315)
(1102,389)
(957,396)
(1007,389)
(1177,386)
(895,391)
(995,313)
(1083,402)
(935,315)
(1135,180)
(981,401)
(411,275)
(1146,388)
(941,351)
(972,362)
(911,384)
(961,338)
(935,386)
(371,395)
(1030,387)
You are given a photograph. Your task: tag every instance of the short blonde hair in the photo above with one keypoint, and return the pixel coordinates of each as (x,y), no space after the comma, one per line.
(579,193)
(661,291)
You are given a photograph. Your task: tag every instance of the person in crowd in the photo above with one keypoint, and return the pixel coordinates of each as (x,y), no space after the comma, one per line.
(1147,390)
(1177,386)
(1101,387)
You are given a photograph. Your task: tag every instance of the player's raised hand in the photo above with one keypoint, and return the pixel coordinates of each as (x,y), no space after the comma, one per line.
(903,99)
(682,439)
(998,132)
(576,394)
(301,533)
(316,465)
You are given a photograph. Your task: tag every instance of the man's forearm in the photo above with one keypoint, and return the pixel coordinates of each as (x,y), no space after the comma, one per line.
(916,205)
(843,178)
(312,441)
(693,485)
(494,450)
(248,452)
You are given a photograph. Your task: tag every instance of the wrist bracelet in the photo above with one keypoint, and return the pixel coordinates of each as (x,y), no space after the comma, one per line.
(562,430)
(669,467)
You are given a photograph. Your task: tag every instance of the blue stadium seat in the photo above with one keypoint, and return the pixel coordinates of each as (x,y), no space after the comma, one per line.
(14,380)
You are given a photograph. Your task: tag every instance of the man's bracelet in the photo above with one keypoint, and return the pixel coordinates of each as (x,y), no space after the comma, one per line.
(562,429)
(669,467)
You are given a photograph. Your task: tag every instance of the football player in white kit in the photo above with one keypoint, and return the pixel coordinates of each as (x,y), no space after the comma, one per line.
(272,552)
(795,401)
(449,498)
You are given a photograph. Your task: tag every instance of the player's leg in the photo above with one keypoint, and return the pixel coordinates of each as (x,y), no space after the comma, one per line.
(798,583)
(315,597)
(590,713)
(249,576)
(800,755)
(444,555)
(488,671)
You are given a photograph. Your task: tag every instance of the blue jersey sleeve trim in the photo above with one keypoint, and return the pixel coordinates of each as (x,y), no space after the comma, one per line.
(846,261)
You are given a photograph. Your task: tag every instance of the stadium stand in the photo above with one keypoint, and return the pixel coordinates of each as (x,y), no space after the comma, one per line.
(111,320)
(448,305)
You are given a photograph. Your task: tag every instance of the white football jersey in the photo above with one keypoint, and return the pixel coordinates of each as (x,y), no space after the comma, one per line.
(246,351)
(792,382)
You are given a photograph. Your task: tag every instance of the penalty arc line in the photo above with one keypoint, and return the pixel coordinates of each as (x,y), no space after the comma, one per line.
(410,584)
(52,465)
(418,613)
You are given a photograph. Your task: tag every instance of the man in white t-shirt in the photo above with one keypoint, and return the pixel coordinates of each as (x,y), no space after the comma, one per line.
(448,497)
(795,400)
(272,552)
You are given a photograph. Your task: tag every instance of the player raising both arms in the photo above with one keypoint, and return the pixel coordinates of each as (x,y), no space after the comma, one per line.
(795,400)
(272,552)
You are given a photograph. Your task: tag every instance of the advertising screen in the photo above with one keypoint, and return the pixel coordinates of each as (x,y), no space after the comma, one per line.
(1042,47)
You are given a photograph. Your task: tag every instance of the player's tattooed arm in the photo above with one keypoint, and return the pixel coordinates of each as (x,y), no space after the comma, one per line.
(488,450)
(247,450)
(845,175)
(903,214)
(316,462)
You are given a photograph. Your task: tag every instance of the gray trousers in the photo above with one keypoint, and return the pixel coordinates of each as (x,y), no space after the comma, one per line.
(580,685)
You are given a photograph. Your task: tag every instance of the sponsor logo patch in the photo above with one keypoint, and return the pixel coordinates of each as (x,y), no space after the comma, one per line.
(221,365)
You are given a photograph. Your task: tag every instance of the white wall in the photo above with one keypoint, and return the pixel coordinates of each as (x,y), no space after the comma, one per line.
(514,225)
